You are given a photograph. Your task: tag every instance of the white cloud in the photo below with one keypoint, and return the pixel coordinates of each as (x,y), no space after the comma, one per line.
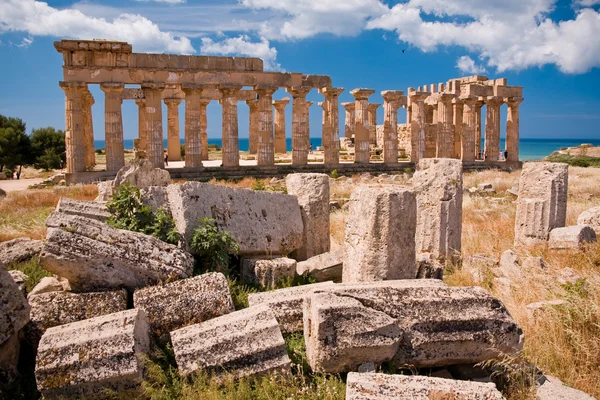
(163,1)
(26,42)
(243,46)
(466,65)
(39,19)
(587,3)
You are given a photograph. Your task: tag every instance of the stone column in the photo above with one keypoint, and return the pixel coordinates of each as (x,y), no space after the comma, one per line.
(361,125)
(193,125)
(253,126)
(468,126)
(390,124)
(113,123)
(203,129)
(417,124)
(300,124)
(231,149)
(331,125)
(280,143)
(142,141)
(445,128)
(492,128)
(349,120)
(154,128)
(74,124)
(457,121)
(266,145)
(88,130)
(512,128)
(372,116)
(478,105)
(173,141)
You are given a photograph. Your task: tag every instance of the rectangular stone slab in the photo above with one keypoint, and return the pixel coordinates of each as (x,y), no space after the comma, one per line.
(95,256)
(324,267)
(85,358)
(14,309)
(89,209)
(243,343)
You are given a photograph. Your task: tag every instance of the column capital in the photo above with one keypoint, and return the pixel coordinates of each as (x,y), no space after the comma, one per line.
(192,88)
(444,97)
(513,101)
(467,99)
(373,106)
(112,86)
(252,103)
(330,91)
(265,90)
(392,95)
(72,85)
(308,103)
(298,91)
(280,104)
(492,100)
(229,90)
(152,86)
(362,93)
(414,95)
(350,107)
(140,102)
(172,102)
(203,102)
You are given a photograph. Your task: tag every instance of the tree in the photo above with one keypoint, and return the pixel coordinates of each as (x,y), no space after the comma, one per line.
(15,146)
(48,147)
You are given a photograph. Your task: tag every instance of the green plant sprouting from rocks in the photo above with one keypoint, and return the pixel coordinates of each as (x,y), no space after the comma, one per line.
(212,245)
(130,213)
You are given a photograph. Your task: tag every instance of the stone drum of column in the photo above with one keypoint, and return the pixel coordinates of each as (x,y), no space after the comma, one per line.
(361,125)
(280,144)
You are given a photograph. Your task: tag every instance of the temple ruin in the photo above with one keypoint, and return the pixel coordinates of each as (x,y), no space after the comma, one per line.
(443,120)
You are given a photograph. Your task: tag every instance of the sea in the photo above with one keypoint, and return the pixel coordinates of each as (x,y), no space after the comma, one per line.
(529,149)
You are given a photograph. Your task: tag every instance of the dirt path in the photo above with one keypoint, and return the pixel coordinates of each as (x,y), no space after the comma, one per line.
(18,184)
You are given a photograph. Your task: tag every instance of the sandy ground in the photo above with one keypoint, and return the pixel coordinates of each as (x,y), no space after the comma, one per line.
(13,185)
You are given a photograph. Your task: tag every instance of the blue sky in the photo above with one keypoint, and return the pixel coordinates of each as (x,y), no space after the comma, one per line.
(551,48)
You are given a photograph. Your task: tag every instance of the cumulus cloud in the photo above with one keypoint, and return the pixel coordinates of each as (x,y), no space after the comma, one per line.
(39,19)
(467,65)
(587,3)
(243,46)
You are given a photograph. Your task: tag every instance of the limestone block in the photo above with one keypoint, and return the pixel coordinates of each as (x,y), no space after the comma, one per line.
(286,304)
(49,284)
(105,191)
(243,343)
(86,358)
(262,223)
(373,386)
(438,185)
(324,267)
(14,310)
(88,209)
(60,308)
(94,256)
(19,250)
(435,325)
(571,237)
(142,174)
(19,278)
(312,191)
(542,201)
(185,302)
(379,237)
(156,197)
(9,358)
(590,217)
(553,389)
(268,271)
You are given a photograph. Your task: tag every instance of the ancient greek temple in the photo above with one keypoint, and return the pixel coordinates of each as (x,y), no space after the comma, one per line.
(443,120)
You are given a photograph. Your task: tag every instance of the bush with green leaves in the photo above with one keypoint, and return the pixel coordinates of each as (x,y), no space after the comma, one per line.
(212,245)
(130,213)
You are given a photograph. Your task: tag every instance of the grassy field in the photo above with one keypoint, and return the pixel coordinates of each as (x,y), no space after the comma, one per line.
(562,341)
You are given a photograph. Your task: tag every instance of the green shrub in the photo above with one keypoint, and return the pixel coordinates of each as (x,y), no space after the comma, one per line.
(99,151)
(32,269)
(48,160)
(215,147)
(212,245)
(259,184)
(335,174)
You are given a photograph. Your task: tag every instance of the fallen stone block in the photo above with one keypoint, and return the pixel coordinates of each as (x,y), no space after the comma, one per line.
(542,201)
(9,358)
(94,256)
(142,174)
(590,217)
(262,223)
(312,191)
(552,388)
(19,278)
(286,304)
(156,197)
(88,209)
(324,267)
(184,302)
(84,359)
(379,237)
(433,325)
(571,237)
(244,343)
(105,191)
(267,272)
(14,310)
(60,308)
(49,284)
(373,386)
(19,250)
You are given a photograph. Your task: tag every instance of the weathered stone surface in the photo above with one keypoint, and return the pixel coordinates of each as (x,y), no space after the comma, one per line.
(185,302)
(286,304)
(95,256)
(14,310)
(590,217)
(380,234)
(48,284)
(262,223)
(88,209)
(267,272)
(312,191)
(435,325)
(438,185)
(324,267)
(246,342)
(85,358)
(372,386)
(9,358)
(142,174)
(19,250)
(59,308)
(156,197)
(428,267)
(20,278)
(542,201)
(552,388)
(105,191)
(571,237)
